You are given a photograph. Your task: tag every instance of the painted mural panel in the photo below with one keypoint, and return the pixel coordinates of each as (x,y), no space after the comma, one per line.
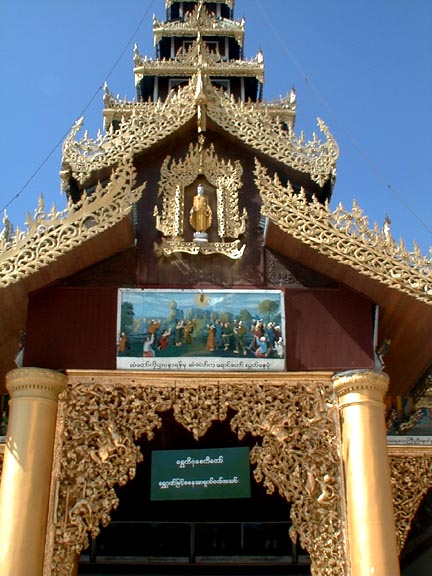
(200,330)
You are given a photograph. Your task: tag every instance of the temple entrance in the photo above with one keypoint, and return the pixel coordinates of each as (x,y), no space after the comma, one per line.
(247,535)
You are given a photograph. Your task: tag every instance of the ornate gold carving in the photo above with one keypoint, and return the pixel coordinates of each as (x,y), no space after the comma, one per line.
(144,124)
(103,414)
(283,110)
(424,401)
(200,18)
(411,477)
(196,406)
(184,64)
(267,133)
(257,125)
(233,250)
(298,457)
(100,425)
(225,177)
(345,237)
(50,235)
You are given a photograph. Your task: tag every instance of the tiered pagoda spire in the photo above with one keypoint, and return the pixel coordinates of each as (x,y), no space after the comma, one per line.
(207,28)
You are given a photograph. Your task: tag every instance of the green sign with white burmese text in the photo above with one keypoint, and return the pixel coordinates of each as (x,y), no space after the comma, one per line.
(200,474)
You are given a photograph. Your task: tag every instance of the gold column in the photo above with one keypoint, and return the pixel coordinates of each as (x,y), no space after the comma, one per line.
(25,485)
(369,505)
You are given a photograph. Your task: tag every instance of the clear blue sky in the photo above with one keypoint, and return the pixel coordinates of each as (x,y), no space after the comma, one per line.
(364,66)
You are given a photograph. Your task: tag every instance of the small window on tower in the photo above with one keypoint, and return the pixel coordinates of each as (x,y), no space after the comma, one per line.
(222,83)
(175,83)
(213,46)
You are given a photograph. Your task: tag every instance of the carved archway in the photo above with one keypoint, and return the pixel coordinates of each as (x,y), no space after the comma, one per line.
(411,477)
(102,415)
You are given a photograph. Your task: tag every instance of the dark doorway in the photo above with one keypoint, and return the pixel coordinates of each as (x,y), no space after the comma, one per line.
(220,536)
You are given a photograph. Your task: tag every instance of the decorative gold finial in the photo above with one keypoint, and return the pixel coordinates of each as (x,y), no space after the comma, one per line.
(201,103)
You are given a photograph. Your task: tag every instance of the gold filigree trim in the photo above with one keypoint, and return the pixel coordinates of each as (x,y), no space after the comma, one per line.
(259,125)
(145,124)
(184,65)
(198,56)
(233,250)
(267,133)
(202,19)
(411,478)
(345,237)
(104,414)
(50,235)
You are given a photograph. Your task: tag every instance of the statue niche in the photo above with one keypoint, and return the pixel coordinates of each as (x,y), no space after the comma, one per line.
(199,205)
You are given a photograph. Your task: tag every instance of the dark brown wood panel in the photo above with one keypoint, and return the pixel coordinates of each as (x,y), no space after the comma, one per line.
(72,328)
(328,330)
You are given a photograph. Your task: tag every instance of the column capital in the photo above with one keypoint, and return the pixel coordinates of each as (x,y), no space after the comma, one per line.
(367,383)
(35,383)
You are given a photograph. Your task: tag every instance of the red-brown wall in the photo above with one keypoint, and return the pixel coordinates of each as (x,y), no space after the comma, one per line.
(328,329)
(72,327)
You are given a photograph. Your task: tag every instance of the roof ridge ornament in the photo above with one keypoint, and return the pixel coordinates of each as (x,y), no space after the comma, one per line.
(141,125)
(345,237)
(50,235)
(200,96)
(207,21)
(265,127)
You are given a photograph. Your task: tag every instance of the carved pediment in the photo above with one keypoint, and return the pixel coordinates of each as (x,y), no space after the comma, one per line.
(262,126)
(223,222)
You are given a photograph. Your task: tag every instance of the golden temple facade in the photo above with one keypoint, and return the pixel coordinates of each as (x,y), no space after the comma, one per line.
(199,293)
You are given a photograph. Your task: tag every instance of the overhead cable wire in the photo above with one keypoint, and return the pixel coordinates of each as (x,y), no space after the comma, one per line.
(82,113)
(359,149)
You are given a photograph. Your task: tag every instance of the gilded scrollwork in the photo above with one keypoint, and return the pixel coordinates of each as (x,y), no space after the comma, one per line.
(49,235)
(197,406)
(265,127)
(411,478)
(298,457)
(233,250)
(185,64)
(142,124)
(225,177)
(265,131)
(101,424)
(200,18)
(104,414)
(345,237)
